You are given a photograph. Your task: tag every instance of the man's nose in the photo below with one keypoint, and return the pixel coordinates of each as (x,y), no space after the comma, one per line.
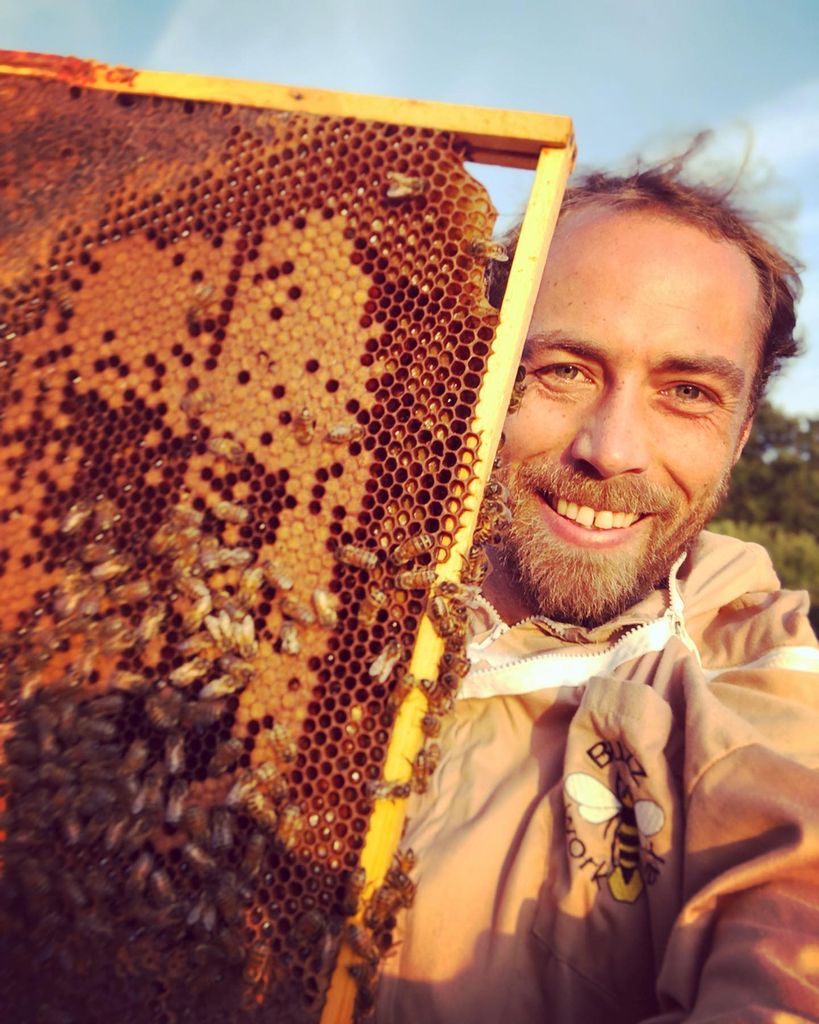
(613,437)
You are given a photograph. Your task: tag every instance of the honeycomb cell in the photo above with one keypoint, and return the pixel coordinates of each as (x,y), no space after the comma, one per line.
(240,355)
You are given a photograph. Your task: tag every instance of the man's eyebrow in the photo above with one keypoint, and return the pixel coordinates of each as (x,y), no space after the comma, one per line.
(732,375)
(713,366)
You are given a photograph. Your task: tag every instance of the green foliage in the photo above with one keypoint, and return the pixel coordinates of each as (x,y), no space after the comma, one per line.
(774,498)
(777,478)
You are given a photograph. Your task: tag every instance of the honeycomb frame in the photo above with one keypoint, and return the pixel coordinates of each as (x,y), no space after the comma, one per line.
(170,697)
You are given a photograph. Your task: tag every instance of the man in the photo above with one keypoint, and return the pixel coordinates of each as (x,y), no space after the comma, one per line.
(624,824)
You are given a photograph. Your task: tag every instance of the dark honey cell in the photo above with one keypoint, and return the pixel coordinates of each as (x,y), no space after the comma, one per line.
(240,355)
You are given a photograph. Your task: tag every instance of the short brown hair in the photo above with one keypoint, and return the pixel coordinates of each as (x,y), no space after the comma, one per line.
(663,189)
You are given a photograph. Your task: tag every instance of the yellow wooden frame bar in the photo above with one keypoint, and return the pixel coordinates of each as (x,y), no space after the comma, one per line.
(506,137)
(540,141)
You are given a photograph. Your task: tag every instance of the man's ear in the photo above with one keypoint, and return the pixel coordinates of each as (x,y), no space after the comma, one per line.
(743,438)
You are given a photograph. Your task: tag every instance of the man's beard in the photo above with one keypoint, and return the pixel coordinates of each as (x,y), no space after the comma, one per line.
(569,583)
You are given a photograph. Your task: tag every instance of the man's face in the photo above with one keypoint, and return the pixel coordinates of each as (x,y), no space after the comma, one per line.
(640,359)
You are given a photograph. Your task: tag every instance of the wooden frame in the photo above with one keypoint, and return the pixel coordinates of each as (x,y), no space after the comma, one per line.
(507,138)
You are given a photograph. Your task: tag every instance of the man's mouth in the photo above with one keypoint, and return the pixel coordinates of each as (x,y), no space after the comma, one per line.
(584,515)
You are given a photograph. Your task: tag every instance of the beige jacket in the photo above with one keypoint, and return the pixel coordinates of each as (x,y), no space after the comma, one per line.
(625,823)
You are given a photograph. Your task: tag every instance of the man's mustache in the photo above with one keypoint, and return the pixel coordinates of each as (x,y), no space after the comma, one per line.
(619,494)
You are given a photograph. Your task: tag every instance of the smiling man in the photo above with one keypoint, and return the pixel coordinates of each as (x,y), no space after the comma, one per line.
(623,825)
(641,358)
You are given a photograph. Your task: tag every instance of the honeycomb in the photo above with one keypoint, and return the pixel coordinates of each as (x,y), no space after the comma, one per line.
(241,351)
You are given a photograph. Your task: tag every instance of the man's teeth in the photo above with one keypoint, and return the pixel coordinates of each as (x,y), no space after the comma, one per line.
(602,520)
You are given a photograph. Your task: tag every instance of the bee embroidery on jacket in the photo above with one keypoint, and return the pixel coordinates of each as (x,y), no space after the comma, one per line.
(598,804)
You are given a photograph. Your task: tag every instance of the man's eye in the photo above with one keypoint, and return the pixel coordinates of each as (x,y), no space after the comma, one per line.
(562,371)
(689,393)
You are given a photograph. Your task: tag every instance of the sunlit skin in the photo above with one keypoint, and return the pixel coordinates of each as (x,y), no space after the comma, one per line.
(640,361)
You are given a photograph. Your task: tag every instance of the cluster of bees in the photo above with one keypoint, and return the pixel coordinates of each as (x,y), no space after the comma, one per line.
(194,715)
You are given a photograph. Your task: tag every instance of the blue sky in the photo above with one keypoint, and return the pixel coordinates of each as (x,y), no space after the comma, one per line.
(636,76)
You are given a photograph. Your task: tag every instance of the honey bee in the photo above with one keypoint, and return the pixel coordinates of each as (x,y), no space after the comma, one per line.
(307,929)
(254,856)
(518,391)
(148,627)
(284,746)
(230,512)
(441,616)
(195,820)
(362,943)
(431,726)
(353,890)
(244,637)
(326,613)
(130,593)
(115,635)
(196,615)
(72,830)
(415,579)
(249,586)
(258,805)
(149,794)
(291,825)
(344,433)
(135,757)
(237,667)
(199,643)
(202,714)
(373,601)
(175,804)
(76,517)
(163,709)
(160,886)
(256,974)
(96,551)
(405,860)
(227,448)
(220,627)
(198,858)
(221,686)
(401,883)
(225,755)
(110,569)
(412,547)
(69,594)
(404,186)
(141,869)
(114,833)
(222,829)
(402,689)
(386,660)
(486,249)
(212,559)
(385,790)
(358,558)
(476,566)
(423,766)
(294,609)
(163,541)
(195,403)
(175,753)
(97,729)
(189,671)
(289,642)
(202,912)
(276,576)
(202,302)
(304,426)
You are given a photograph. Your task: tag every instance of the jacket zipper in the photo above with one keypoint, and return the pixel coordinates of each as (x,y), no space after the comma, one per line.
(673,611)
